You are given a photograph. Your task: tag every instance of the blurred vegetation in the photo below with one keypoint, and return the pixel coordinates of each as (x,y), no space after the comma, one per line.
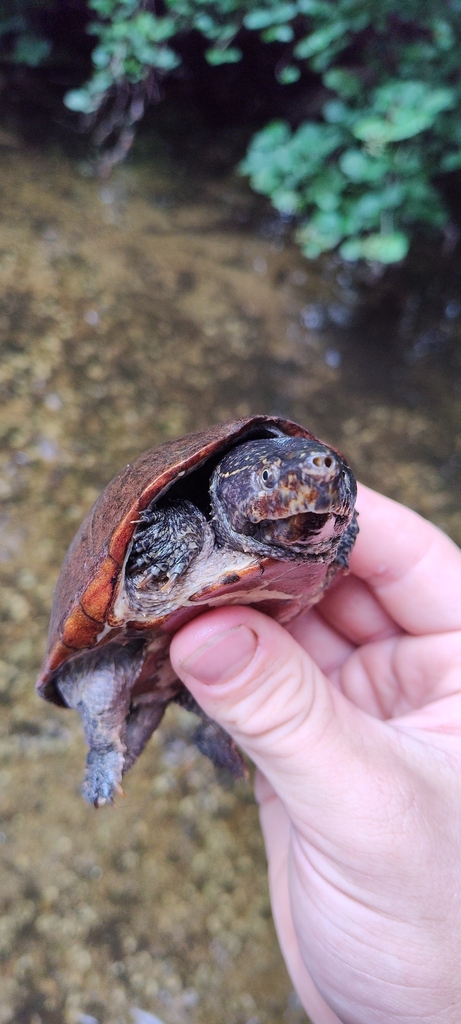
(361,173)
(20,40)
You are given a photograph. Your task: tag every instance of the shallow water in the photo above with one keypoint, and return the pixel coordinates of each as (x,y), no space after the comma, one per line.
(132,311)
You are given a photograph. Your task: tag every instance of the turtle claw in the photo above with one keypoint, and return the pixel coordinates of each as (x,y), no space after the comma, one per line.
(102,777)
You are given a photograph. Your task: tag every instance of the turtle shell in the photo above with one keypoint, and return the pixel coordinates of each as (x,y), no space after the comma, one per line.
(85,613)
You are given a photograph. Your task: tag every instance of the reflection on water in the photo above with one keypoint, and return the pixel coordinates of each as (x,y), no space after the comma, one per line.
(132,311)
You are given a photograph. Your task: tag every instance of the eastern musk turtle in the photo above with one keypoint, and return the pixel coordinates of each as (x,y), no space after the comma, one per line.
(253,511)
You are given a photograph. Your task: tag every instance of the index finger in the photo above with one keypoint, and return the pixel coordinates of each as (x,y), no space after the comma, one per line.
(409,564)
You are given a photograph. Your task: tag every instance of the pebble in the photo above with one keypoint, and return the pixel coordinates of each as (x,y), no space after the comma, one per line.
(452,309)
(333,358)
(313,316)
(143,1017)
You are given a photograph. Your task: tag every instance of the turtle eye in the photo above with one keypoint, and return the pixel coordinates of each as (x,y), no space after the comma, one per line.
(269,478)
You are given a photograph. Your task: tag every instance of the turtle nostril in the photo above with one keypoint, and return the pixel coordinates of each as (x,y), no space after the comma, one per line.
(323,461)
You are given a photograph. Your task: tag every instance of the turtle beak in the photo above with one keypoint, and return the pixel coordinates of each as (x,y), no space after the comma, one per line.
(313,484)
(307,508)
(313,480)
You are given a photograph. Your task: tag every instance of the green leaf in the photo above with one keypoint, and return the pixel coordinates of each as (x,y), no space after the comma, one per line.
(444,36)
(216,56)
(407,108)
(225,33)
(100,57)
(321,233)
(324,198)
(415,95)
(372,129)
(285,201)
(160,29)
(315,8)
(266,180)
(360,167)
(105,7)
(288,75)
(278,34)
(79,100)
(262,17)
(347,85)
(451,161)
(319,40)
(378,248)
(336,112)
(165,59)
(351,249)
(321,61)
(30,50)
(203,23)
(277,133)
(405,125)
(370,205)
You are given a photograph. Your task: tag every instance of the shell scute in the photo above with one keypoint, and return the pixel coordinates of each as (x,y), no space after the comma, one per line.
(79,630)
(96,598)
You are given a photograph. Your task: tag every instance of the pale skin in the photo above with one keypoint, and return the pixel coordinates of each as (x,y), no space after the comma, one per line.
(353,719)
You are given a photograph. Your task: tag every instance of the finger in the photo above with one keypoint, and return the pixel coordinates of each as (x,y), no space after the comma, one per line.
(275,825)
(352,609)
(328,648)
(324,757)
(413,569)
(392,677)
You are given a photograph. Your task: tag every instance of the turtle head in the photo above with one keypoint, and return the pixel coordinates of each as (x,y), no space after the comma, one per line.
(282,496)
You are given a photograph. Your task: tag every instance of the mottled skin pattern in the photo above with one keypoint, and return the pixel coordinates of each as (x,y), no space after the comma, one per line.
(285,498)
(263,494)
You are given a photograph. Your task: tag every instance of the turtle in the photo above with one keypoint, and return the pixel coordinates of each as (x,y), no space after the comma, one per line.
(252,511)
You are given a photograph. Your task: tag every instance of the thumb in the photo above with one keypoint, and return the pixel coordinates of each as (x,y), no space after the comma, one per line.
(318,750)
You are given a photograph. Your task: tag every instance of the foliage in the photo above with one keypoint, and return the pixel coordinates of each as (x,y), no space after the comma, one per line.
(20,42)
(367,171)
(132,41)
(362,196)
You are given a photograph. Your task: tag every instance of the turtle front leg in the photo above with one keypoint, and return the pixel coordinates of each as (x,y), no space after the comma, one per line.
(166,542)
(99,687)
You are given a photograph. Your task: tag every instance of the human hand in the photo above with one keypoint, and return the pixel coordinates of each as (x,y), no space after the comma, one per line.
(353,718)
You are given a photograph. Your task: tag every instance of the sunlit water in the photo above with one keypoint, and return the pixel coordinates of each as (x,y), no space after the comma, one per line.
(131,311)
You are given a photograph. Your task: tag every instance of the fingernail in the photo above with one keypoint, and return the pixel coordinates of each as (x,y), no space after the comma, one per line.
(222,657)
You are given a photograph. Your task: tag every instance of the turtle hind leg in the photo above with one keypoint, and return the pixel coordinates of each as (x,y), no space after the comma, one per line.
(103,775)
(212,740)
(218,746)
(99,687)
(142,721)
